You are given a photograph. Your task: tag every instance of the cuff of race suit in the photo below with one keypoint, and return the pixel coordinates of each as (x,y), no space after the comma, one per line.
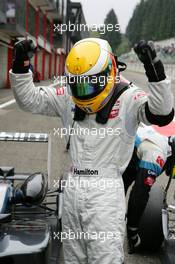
(20,66)
(159,120)
(155,72)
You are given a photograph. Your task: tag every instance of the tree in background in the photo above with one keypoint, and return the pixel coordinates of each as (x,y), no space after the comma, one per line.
(124,46)
(152,19)
(94,34)
(112,36)
(135,23)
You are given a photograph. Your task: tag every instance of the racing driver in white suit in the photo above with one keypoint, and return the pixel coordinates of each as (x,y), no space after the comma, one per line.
(95,215)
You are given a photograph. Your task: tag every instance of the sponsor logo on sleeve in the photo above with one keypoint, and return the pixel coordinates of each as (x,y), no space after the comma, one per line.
(59,91)
(160,161)
(139,95)
(149,181)
(150,172)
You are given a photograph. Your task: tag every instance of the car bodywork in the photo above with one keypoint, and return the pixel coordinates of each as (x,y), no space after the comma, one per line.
(27,230)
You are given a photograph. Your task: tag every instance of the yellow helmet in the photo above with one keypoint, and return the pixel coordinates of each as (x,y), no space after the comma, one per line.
(91,72)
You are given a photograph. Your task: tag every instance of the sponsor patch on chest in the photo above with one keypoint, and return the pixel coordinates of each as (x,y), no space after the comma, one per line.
(115,110)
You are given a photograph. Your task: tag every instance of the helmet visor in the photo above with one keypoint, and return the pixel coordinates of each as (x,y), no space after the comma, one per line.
(86,87)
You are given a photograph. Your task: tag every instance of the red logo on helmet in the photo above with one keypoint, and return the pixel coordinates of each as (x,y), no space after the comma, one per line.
(160,161)
(60,90)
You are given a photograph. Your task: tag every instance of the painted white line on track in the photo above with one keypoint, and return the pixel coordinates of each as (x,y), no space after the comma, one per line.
(7,103)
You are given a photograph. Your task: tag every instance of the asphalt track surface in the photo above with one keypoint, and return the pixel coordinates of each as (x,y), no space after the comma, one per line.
(30,157)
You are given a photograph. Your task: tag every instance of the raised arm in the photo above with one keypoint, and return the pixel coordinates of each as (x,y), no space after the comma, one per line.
(38,100)
(159,107)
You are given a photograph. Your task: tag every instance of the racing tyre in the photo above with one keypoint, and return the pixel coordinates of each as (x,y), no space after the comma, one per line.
(150,229)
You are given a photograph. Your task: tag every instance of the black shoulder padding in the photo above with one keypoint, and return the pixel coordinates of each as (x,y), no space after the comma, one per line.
(79,114)
(159,120)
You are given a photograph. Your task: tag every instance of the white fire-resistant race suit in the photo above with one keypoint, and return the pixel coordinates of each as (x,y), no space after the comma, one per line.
(97,214)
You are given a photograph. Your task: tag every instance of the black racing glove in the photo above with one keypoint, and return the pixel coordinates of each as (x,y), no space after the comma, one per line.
(154,68)
(23,52)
